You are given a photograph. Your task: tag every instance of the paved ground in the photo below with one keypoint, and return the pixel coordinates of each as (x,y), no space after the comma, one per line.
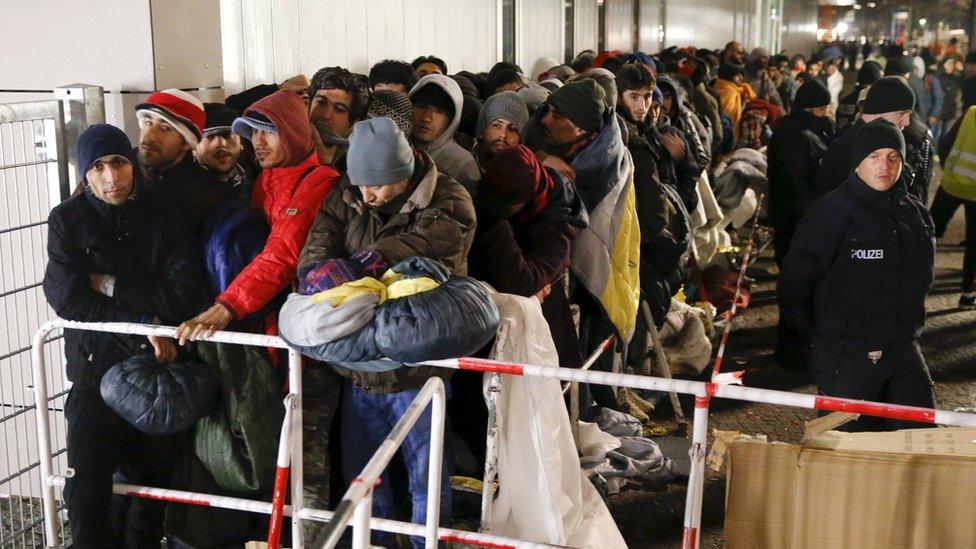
(653,519)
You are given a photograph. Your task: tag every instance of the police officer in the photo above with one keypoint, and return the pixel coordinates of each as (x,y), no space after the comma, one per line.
(857,274)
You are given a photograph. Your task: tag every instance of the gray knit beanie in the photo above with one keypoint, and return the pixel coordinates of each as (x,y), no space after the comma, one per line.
(507,105)
(379,153)
(535,94)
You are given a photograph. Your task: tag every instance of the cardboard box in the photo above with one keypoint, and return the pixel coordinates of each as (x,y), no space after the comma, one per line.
(920,492)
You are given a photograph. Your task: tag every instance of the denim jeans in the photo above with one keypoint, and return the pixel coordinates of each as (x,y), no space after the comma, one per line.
(367,419)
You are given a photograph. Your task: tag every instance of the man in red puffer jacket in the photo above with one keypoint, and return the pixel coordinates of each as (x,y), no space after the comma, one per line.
(288,193)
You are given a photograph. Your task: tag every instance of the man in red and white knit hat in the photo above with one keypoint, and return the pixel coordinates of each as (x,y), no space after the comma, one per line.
(170,126)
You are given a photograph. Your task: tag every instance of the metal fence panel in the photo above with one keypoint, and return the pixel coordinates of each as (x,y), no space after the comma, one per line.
(33,179)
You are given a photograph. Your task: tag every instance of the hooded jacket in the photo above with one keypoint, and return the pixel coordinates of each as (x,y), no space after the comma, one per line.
(147,245)
(687,122)
(860,266)
(451,158)
(288,196)
(436,220)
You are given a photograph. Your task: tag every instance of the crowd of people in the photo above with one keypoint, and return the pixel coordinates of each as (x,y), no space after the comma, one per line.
(570,183)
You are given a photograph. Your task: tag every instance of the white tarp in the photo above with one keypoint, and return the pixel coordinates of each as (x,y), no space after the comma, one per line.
(543,494)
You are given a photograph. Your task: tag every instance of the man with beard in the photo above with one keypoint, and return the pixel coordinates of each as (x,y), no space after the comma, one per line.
(500,124)
(734,53)
(117,253)
(220,152)
(661,233)
(337,100)
(170,127)
(798,142)
(577,135)
(757,77)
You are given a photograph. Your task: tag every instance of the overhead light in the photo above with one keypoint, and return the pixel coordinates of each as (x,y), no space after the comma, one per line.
(857,6)
(871,4)
(840,29)
(922,21)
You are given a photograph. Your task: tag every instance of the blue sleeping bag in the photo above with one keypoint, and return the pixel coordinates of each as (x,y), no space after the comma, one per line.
(160,399)
(455,319)
(233,234)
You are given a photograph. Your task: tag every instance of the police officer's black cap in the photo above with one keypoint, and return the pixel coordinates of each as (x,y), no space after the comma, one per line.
(877,134)
(890,94)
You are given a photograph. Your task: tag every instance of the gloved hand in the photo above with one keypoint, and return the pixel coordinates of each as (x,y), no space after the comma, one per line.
(328,275)
(336,272)
(490,209)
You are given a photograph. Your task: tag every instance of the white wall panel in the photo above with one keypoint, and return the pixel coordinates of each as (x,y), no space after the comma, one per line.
(44,44)
(539,31)
(586,25)
(619,25)
(704,23)
(271,40)
(799,27)
(649,26)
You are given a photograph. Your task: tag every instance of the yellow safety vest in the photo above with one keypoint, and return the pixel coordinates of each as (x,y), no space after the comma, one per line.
(959,174)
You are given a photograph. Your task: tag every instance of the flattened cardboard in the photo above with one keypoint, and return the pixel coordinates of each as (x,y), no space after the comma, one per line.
(788,496)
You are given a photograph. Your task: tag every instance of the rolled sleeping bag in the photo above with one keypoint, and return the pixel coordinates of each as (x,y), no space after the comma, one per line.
(454,319)
(418,312)
(160,399)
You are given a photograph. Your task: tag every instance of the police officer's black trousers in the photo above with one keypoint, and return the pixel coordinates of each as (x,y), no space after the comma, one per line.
(944,206)
(900,376)
(100,445)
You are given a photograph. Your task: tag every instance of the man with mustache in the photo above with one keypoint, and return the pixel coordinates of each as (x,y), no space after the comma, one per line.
(856,278)
(500,124)
(337,100)
(220,151)
(170,128)
(117,253)
(288,193)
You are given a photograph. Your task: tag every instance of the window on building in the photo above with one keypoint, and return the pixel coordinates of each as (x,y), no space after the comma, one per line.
(508,30)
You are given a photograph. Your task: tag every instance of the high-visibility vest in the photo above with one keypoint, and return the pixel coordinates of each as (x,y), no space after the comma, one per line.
(959,174)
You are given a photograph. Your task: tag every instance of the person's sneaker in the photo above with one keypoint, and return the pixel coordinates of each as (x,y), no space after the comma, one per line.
(967,301)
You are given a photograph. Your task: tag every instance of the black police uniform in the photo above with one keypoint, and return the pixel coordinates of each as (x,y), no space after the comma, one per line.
(857,274)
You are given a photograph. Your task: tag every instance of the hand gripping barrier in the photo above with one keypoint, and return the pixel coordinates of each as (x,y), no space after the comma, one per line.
(357,498)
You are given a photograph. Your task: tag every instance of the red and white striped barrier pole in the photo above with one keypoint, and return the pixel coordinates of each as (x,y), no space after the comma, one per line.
(281,477)
(696,477)
(738,291)
(434,393)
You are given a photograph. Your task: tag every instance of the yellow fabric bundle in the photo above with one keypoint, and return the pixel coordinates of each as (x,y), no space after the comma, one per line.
(391,286)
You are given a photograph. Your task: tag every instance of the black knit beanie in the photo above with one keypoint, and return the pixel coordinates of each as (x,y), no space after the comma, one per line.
(811,94)
(877,134)
(582,102)
(889,94)
(869,74)
(434,96)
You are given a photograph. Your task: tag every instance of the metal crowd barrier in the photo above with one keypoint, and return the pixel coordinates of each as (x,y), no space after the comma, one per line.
(357,498)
